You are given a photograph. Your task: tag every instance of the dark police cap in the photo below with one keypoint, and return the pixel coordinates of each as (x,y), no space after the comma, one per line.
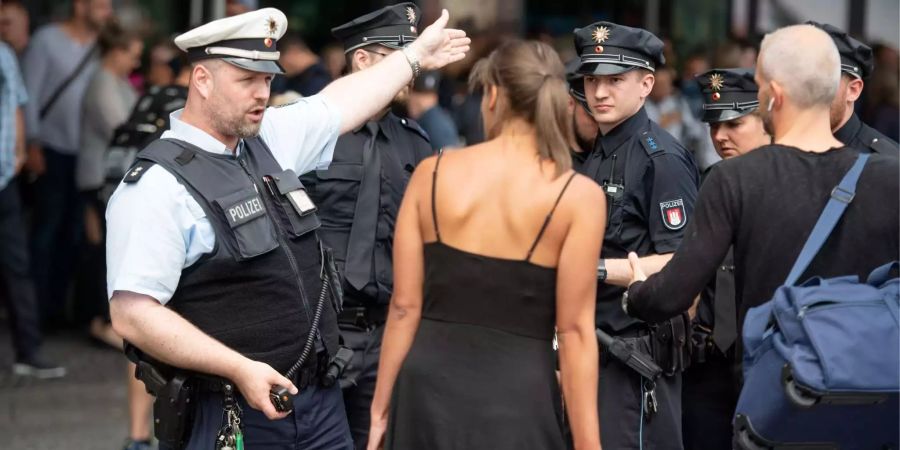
(606,48)
(856,58)
(727,94)
(576,82)
(393,26)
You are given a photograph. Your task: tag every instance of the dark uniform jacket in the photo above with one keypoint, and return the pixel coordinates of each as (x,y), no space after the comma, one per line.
(858,135)
(651,183)
(401,144)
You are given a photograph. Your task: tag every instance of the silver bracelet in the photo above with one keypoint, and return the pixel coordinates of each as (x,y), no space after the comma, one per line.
(413,62)
(625,302)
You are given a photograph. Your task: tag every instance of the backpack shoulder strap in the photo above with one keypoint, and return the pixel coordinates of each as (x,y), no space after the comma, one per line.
(841,196)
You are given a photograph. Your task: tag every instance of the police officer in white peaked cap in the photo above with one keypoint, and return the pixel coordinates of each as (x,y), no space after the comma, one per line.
(215,272)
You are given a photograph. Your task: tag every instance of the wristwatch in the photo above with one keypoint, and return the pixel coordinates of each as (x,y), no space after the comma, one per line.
(413,62)
(601,271)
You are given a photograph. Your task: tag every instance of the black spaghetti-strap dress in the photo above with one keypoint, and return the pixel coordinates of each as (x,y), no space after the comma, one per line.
(481,370)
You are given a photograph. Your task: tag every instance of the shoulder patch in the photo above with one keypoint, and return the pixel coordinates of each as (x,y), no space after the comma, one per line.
(883,147)
(414,126)
(137,171)
(651,143)
(673,214)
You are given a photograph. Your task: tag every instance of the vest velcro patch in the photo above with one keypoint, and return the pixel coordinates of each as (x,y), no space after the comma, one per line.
(244,210)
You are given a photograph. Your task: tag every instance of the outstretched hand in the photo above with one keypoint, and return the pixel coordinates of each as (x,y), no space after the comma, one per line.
(438,46)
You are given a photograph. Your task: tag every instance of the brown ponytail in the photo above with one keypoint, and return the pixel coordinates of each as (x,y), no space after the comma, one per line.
(531,78)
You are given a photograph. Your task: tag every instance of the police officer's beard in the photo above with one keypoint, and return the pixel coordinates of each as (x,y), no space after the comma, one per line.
(229,122)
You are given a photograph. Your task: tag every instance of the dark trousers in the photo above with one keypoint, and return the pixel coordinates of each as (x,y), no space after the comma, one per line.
(317,423)
(622,425)
(57,224)
(358,380)
(709,396)
(14,266)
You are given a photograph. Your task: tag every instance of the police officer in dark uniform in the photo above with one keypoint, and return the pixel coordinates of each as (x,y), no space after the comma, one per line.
(857,63)
(582,119)
(359,197)
(651,185)
(712,383)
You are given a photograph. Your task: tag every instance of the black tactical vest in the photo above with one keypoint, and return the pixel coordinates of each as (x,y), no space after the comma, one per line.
(257,291)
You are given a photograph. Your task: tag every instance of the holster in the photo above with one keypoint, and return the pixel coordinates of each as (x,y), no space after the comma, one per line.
(173,410)
(669,344)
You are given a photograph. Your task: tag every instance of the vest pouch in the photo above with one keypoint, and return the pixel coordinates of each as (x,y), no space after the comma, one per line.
(245,213)
(296,209)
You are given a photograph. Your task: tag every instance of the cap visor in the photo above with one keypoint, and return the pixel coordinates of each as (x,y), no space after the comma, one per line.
(723,115)
(254,65)
(603,69)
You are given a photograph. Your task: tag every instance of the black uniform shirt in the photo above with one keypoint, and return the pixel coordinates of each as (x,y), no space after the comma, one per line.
(858,135)
(401,145)
(765,204)
(655,181)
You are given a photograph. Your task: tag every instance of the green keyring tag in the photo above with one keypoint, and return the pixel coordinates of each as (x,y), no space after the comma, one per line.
(239,441)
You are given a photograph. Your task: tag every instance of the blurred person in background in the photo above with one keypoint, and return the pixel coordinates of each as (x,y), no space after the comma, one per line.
(159,69)
(857,63)
(15,270)
(883,110)
(695,64)
(304,72)
(712,382)
(666,106)
(422,105)
(58,66)
(107,103)
(14,23)
(334,60)
(235,7)
(586,128)
(359,196)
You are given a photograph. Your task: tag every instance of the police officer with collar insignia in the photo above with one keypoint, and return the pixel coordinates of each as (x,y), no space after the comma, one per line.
(712,383)
(651,185)
(215,270)
(857,63)
(358,197)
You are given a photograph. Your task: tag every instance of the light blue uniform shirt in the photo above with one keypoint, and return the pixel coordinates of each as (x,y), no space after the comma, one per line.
(155,228)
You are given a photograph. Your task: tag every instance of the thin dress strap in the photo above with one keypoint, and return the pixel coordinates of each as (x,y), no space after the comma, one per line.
(437,231)
(547,220)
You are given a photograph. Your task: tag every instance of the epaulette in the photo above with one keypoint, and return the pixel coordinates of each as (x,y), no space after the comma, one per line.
(883,147)
(651,144)
(137,170)
(413,125)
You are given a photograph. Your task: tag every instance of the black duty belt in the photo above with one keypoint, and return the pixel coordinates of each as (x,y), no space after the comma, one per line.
(364,316)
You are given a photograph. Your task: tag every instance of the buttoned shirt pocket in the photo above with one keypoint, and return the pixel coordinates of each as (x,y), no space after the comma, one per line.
(251,227)
(337,190)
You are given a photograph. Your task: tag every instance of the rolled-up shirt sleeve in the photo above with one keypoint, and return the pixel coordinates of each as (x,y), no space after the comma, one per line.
(302,134)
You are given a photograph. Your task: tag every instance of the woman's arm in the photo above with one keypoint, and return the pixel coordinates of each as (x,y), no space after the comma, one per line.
(576,297)
(406,302)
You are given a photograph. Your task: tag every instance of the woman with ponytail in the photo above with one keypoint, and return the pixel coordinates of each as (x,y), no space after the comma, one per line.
(494,253)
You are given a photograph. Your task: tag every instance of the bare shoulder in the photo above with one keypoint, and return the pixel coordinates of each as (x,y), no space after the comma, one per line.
(585,191)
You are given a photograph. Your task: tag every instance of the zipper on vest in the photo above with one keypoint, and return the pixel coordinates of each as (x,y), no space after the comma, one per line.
(279,233)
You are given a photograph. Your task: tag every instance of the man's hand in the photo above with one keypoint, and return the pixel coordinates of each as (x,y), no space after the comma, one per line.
(34,162)
(637,272)
(255,380)
(438,46)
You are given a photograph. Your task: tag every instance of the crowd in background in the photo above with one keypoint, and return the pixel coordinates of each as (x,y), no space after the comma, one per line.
(67,133)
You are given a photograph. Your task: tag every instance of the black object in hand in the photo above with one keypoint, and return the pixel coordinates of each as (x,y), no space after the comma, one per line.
(282,399)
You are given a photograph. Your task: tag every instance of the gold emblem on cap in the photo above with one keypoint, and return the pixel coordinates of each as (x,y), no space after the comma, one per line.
(600,34)
(410,14)
(271,26)
(716,81)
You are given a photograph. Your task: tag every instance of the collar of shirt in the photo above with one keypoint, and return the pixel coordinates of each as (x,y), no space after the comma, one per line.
(383,122)
(183,131)
(609,142)
(847,132)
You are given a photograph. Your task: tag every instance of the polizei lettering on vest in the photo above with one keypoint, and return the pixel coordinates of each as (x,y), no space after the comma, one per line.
(245,210)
